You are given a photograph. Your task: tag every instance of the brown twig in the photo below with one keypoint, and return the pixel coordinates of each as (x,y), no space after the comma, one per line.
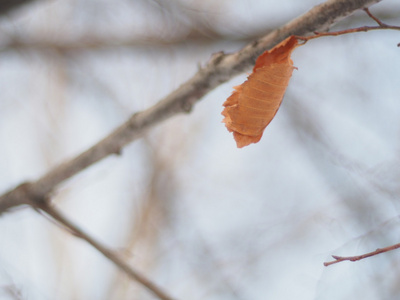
(359,257)
(346,31)
(380,23)
(351,30)
(63,221)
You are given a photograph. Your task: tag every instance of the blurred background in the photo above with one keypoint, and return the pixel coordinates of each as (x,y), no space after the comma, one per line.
(183,205)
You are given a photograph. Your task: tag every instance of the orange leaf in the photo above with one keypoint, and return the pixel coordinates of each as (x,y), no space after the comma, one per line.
(253,105)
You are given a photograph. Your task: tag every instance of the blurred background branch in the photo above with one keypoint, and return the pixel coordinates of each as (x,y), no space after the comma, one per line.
(9,5)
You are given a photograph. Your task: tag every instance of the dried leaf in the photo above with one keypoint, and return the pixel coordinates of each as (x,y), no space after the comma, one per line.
(253,105)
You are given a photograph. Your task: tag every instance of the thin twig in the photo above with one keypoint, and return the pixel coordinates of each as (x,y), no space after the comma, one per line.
(346,31)
(380,23)
(351,30)
(359,257)
(111,255)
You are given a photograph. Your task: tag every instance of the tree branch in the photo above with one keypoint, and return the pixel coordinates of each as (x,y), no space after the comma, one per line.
(111,255)
(352,30)
(219,69)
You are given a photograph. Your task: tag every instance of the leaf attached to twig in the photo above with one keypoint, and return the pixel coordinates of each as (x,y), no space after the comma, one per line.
(253,104)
